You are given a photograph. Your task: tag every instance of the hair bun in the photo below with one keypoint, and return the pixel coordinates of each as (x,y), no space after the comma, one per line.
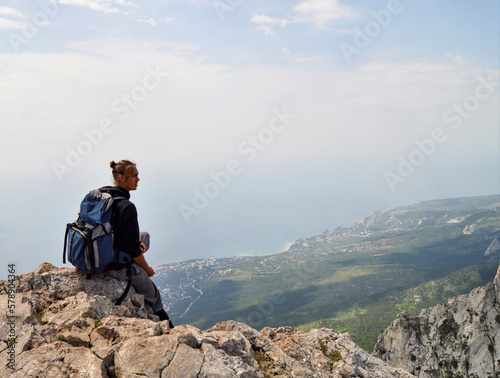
(112,164)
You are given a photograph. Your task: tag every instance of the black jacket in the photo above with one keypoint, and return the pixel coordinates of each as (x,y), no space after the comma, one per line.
(124,222)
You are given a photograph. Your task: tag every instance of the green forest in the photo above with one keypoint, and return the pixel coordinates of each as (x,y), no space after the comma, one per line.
(352,280)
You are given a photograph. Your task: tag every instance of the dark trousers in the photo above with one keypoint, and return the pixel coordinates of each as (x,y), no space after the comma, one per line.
(140,281)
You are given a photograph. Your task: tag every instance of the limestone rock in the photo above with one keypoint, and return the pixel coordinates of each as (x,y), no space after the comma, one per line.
(469,229)
(68,326)
(493,249)
(58,359)
(457,338)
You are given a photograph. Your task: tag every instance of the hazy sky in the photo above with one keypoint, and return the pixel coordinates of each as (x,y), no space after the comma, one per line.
(252,123)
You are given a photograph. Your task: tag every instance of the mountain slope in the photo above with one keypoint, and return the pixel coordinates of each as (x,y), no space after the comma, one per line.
(323,277)
(366,320)
(457,338)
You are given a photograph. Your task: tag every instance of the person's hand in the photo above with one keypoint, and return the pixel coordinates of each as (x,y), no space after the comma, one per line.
(150,271)
(143,247)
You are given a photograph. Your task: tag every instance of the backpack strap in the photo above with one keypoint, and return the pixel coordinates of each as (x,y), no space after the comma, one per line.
(129,283)
(65,243)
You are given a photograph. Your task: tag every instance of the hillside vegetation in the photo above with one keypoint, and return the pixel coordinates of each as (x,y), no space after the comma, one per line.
(352,279)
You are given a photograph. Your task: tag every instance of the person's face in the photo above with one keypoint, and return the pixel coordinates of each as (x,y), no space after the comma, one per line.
(129,181)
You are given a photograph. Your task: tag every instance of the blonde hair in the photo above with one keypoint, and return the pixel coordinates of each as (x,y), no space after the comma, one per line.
(121,168)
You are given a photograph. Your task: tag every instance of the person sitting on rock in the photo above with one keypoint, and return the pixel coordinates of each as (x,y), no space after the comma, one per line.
(128,239)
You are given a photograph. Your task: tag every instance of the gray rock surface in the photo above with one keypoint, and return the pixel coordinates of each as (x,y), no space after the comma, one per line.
(460,338)
(68,326)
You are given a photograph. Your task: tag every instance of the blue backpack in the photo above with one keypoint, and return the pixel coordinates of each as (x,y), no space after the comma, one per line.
(88,242)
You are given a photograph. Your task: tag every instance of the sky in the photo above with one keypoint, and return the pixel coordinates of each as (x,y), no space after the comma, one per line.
(252,123)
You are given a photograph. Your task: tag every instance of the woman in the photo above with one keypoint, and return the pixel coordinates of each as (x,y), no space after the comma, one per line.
(128,239)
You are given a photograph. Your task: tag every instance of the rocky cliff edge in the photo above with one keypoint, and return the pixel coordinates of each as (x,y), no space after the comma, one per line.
(460,338)
(64,325)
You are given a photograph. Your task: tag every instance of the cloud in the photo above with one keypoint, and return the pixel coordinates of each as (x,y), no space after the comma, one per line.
(94,5)
(9,24)
(127,3)
(264,23)
(122,7)
(287,55)
(151,21)
(10,12)
(457,59)
(285,51)
(267,30)
(323,12)
(371,107)
(263,19)
(318,12)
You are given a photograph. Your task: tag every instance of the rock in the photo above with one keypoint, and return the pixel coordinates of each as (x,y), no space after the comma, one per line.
(373,219)
(145,356)
(57,359)
(494,248)
(469,229)
(68,326)
(457,338)
(186,363)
